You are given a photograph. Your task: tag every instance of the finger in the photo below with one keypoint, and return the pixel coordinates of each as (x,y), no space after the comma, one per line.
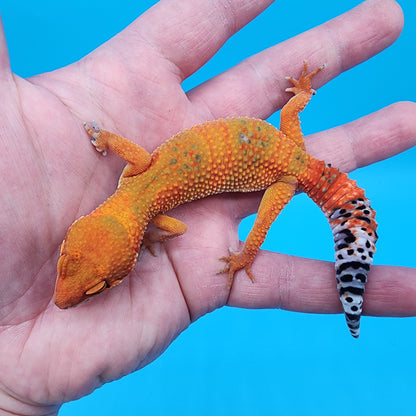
(194,29)
(4,54)
(305,285)
(252,87)
(367,140)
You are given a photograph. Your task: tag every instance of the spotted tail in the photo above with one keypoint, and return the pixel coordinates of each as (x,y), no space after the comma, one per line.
(353,225)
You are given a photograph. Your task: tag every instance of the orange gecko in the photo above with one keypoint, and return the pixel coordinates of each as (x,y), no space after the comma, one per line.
(227,155)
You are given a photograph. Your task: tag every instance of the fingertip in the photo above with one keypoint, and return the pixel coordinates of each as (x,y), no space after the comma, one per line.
(403,112)
(4,53)
(388,15)
(369,139)
(394,14)
(385,133)
(383,20)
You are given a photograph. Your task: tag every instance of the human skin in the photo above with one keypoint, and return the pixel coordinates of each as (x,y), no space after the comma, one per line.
(51,176)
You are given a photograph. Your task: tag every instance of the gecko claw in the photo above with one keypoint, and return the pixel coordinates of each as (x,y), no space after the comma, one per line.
(95,126)
(93,130)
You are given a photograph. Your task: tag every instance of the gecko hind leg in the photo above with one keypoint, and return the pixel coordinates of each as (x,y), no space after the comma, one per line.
(274,200)
(289,116)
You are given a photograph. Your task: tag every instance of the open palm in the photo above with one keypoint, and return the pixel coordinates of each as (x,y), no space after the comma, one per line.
(132,85)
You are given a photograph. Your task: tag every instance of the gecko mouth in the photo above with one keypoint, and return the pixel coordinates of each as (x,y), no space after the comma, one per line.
(98,288)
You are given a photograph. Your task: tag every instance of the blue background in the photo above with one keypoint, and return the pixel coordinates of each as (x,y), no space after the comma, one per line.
(259,362)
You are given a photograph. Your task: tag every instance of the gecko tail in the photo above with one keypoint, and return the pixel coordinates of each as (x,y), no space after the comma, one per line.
(354,230)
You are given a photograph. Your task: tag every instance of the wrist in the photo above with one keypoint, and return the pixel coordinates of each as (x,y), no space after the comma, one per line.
(13,405)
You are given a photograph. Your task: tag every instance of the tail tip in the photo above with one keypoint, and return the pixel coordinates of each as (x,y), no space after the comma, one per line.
(355,333)
(354,325)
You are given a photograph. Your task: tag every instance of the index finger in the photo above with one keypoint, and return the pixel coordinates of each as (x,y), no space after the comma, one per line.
(189,32)
(256,86)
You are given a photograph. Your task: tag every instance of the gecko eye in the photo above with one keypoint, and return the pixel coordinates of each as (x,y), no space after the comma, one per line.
(99,287)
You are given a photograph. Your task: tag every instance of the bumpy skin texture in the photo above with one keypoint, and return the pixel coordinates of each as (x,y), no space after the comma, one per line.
(227,155)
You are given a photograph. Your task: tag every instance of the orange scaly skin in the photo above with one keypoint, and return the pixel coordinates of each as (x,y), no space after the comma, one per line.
(227,155)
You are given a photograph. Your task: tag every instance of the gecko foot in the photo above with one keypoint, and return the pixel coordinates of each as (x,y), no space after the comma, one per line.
(95,133)
(235,262)
(304,82)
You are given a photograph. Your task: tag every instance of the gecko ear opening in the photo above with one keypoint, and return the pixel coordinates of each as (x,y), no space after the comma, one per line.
(99,287)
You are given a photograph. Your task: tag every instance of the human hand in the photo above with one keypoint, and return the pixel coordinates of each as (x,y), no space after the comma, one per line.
(132,85)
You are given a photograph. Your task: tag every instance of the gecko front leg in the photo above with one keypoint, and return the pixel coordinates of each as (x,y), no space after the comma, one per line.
(138,159)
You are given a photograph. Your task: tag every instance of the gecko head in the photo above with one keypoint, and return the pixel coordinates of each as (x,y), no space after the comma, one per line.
(96,254)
